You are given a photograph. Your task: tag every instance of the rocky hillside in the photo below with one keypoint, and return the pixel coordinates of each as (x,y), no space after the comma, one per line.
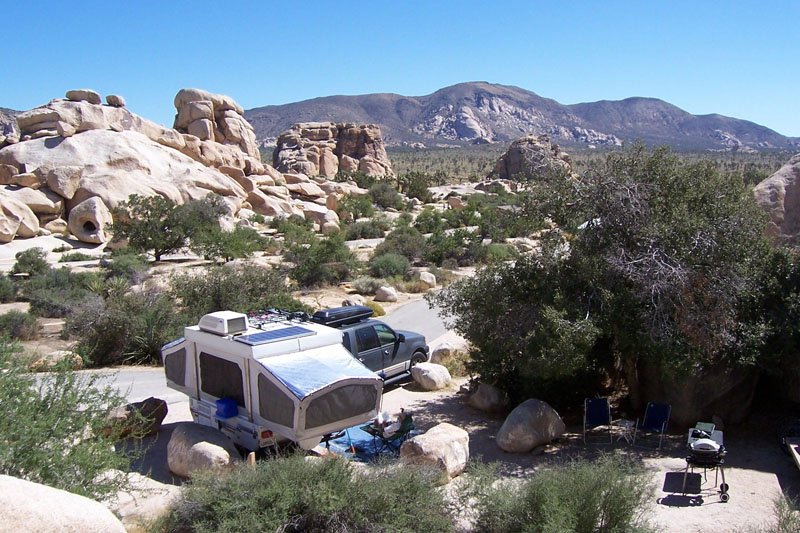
(484,112)
(8,123)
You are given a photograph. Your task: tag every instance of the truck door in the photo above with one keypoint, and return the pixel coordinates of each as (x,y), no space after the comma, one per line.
(387,338)
(369,348)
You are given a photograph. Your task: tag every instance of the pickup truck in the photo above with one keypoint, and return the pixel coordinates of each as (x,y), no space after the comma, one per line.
(387,352)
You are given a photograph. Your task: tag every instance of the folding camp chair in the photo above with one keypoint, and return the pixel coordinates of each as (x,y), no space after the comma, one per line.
(656,418)
(596,413)
(395,440)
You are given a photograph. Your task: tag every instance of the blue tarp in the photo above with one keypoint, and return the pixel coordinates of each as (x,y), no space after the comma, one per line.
(306,372)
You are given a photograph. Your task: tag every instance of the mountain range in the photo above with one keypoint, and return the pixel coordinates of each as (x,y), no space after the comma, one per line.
(480,112)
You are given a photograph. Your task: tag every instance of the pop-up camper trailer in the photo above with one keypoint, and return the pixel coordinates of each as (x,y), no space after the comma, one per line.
(270,378)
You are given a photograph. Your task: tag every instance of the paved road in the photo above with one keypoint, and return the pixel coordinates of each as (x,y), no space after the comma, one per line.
(138,383)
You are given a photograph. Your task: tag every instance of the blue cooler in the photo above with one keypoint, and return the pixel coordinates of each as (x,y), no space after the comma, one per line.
(226,408)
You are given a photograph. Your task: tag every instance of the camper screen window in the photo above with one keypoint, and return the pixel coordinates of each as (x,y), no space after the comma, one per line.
(221,378)
(175,367)
(273,404)
(366,339)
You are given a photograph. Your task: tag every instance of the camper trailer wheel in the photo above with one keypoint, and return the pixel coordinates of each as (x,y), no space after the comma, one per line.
(418,357)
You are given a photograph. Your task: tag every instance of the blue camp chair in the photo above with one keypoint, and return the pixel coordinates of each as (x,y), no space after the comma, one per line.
(656,418)
(393,441)
(597,413)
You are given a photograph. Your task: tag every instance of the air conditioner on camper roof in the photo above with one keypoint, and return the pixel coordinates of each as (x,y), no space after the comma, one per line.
(224,323)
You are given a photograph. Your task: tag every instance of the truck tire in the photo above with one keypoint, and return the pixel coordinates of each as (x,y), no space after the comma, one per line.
(418,357)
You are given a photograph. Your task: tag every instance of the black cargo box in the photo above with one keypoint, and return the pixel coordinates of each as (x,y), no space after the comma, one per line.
(341,316)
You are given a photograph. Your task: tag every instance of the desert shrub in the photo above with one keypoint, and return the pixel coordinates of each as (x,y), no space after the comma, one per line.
(368,285)
(415,185)
(499,252)
(460,245)
(363,230)
(32,261)
(321,262)
(365,181)
(75,256)
(457,363)
(385,195)
(411,286)
(52,435)
(355,207)
(130,266)
(54,293)
(404,240)
(376,307)
(429,220)
(244,289)
(404,220)
(215,243)
(8,289)
(388,265)
(19,325)
(786,519)
(124,328)
(295,229)
(381,221)
(257,218)
(293,494)
(608,494)
(443,275)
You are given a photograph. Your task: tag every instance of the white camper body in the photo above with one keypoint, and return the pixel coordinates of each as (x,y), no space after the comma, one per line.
(270,378)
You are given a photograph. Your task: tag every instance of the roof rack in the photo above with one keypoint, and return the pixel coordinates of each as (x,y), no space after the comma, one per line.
(266,317)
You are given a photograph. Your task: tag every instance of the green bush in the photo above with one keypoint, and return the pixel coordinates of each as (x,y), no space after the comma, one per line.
(130,266)
(52,433)
(367,285)
(19,325)
(404,220)
(363,230)
(32,261)
(294,494)
(460,245)
(385,195)
(214,243)
(388,265)
(8,289)
(608,494)
(500,252)
(295,229)
(365,181)
(244,289)
(54,293)
(321,262)
(415,185)
(429,220)
(75,256)
(404,240)
(355,207)
(376,308)
(124,328)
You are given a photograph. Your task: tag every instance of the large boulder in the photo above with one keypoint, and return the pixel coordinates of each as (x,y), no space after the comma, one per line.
(139,418)
(430,376)
(386,294)
(531,424)
(488,398)
(445,447)
(143,502)
(16,219)
(193,447)
(779,196)
(27,506)
(532,157)
(326,148)
(88,220)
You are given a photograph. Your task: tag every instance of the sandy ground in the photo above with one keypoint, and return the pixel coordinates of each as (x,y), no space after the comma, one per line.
(756,468)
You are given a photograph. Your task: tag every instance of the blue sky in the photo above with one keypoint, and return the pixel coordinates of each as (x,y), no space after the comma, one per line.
(734,58)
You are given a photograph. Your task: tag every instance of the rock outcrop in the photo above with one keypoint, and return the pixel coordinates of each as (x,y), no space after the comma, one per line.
(325,148)
(531,157)
(27,506)
(779,195)
(531,424)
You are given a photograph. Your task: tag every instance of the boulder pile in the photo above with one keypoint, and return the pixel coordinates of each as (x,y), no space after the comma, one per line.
(530,157)
(75,159)
(325,148)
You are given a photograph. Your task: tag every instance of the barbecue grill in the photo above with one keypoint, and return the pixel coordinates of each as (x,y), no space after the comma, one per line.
(707,453)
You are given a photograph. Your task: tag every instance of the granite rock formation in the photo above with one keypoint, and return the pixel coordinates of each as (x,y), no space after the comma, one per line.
(531,157)
(779,195)
(325,148)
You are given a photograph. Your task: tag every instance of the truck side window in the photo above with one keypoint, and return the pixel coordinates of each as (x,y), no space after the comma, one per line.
(366,339)
(346,342)
(385,335)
